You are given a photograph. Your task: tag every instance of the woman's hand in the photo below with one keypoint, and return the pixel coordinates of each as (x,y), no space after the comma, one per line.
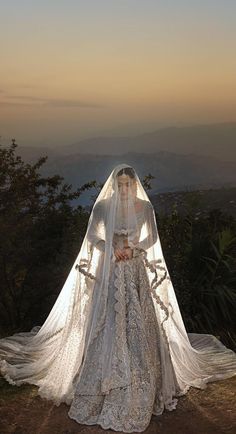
(128,252)
(123,254)
(119,254)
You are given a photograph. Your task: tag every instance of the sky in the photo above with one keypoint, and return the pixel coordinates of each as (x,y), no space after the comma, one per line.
(74,69)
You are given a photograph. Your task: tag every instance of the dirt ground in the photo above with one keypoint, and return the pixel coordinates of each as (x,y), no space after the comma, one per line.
(209,411)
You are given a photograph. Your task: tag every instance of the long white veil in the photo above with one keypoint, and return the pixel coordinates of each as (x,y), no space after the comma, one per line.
(51,356)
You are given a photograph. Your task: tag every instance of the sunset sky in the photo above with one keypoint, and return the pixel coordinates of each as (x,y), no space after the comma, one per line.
(76,69)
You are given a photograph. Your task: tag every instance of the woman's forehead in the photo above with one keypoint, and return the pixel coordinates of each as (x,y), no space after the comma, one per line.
(124,178)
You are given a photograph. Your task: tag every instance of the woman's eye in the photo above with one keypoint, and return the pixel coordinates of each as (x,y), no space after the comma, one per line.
(126,185)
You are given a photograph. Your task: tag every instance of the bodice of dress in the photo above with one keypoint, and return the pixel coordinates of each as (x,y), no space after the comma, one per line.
(97,236)
(123,235)
(120,240)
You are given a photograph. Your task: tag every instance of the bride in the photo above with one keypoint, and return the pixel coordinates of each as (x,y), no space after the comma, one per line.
(114,346)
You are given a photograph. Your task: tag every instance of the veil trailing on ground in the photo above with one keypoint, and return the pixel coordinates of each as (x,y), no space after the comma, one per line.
(51,356)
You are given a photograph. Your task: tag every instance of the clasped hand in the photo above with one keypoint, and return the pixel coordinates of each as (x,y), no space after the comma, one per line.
(123,254)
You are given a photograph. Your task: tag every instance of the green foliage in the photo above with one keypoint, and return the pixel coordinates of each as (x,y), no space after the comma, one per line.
(147,181)
(40,233)
(200,253)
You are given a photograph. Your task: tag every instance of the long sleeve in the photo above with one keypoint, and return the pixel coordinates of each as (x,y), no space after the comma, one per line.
(96,231)
(95,234)
(151,237)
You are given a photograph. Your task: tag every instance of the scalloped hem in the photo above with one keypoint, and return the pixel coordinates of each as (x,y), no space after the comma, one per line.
(119,426)
(109,426)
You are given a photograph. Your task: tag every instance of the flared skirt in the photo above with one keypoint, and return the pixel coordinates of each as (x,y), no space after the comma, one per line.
(120,381)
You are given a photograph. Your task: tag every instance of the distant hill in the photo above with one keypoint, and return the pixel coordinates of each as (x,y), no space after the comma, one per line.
(195,157)
(172,172)
(217,140)
(201,201)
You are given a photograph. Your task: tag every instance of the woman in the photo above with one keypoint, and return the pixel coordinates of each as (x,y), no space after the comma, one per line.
(114,346)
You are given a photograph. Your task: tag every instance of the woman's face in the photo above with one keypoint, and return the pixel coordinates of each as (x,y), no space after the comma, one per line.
(126,186)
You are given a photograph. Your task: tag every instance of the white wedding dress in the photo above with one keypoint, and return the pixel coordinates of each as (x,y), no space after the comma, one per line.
(114,346)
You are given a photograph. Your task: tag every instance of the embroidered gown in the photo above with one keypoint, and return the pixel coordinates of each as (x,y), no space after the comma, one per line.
(127,399)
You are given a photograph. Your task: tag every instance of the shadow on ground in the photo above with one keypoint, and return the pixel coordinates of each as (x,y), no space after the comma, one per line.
(209,411)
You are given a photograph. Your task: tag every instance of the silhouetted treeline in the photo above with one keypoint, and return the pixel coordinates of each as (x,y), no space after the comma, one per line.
(200,253)
(41,233)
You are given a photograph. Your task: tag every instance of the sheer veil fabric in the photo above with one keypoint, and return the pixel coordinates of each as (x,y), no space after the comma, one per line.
(51,356)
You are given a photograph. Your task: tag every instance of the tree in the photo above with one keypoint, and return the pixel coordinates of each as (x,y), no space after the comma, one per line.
(40,232)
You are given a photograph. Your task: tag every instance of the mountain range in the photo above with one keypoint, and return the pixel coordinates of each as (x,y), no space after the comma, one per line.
(179,158)
(218,140)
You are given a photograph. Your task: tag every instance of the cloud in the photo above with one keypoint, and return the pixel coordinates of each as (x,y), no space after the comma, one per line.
(70,103)
(16,104)
(32,101)
(26,97)
(27,86)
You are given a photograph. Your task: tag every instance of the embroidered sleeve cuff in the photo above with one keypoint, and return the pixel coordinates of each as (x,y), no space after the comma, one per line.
(136,252)
(113,258)
(132,245)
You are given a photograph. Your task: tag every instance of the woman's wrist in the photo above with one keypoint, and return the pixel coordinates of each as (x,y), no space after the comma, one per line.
(133,245)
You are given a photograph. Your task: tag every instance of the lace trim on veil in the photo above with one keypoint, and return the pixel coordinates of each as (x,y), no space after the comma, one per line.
(155,283)
(84,263)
